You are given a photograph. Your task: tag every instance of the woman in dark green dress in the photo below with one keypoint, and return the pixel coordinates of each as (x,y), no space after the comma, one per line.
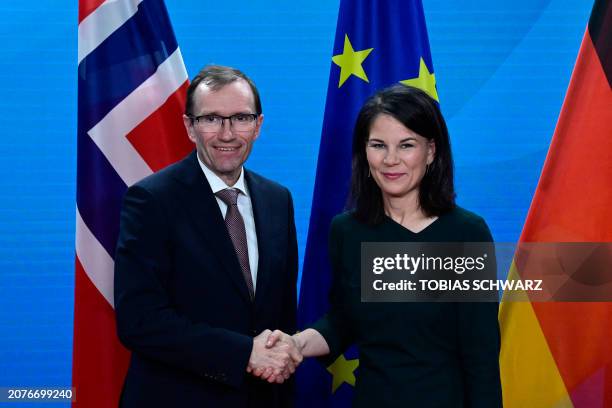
(410,354)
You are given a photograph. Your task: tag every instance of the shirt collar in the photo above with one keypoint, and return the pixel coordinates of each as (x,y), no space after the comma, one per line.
(216,184)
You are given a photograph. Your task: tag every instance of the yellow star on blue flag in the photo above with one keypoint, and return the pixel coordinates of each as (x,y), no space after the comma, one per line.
(426,81)
(343,371)
(350,62)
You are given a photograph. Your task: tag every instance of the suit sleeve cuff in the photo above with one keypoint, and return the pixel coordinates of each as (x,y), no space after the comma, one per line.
(231,369)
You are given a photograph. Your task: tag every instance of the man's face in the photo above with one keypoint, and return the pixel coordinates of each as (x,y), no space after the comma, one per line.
(225,150)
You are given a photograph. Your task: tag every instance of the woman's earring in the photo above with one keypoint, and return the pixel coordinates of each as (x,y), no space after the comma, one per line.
(369,174)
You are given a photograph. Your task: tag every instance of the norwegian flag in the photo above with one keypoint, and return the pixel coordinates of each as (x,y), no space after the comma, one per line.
(131,92)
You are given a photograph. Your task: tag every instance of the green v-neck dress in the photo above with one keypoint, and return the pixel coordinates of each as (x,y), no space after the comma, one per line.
(422,355)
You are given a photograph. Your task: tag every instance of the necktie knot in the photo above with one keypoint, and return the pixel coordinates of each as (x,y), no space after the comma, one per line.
(229,196)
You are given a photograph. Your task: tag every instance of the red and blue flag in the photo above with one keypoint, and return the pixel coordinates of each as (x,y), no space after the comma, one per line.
(131,92)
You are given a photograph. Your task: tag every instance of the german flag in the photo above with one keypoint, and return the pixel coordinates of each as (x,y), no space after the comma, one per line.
(559,354)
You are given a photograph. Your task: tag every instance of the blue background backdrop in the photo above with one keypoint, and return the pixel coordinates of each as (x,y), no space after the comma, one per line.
(502,69)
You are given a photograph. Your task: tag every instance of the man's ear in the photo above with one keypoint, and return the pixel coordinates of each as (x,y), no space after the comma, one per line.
(189,128)
(260,119)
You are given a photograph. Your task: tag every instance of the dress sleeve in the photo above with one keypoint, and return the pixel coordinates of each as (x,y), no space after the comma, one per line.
(334,326)
(479,343)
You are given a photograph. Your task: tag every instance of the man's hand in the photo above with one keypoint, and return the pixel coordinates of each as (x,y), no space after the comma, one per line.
(274,356)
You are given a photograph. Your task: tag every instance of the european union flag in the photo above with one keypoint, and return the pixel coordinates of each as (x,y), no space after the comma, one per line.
(378,43)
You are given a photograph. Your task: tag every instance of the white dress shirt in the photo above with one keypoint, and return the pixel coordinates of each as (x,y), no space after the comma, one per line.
(246,210)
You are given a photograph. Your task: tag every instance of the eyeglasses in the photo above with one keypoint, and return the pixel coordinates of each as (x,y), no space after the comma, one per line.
(240,122)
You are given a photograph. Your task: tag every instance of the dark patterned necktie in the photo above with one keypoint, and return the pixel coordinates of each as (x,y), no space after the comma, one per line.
(237,232)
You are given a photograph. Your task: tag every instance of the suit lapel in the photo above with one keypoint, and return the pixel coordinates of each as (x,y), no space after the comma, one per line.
(263,228)
(207,218)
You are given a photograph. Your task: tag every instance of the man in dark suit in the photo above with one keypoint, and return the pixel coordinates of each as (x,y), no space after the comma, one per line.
(206,262)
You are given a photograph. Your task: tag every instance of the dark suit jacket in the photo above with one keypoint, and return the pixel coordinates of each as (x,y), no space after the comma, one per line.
(181,302)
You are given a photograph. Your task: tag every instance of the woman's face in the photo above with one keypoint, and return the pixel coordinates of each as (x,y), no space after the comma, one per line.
(397,156)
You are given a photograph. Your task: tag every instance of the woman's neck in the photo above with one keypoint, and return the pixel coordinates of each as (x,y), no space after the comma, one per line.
(407,212)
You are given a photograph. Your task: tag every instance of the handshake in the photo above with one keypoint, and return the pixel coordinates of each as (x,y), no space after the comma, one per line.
(275,356)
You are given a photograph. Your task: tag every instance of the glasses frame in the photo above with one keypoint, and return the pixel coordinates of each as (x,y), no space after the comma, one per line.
(196,119)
